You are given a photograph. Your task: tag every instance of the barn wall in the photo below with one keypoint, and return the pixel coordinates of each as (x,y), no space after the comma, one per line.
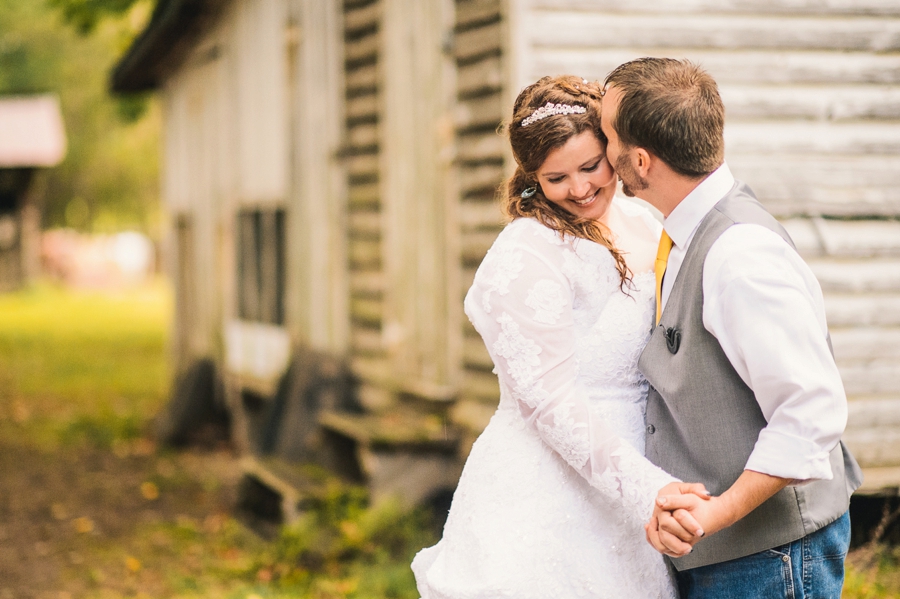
(253,120)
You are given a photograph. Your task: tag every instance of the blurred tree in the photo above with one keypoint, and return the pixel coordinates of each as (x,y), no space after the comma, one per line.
(109,179)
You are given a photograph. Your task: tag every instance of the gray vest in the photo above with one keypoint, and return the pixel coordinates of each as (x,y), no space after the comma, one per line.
(703,421)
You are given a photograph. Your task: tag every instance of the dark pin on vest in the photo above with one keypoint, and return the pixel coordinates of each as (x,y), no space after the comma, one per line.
(673,339)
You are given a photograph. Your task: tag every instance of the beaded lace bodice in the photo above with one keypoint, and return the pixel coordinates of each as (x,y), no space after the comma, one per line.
(565,341)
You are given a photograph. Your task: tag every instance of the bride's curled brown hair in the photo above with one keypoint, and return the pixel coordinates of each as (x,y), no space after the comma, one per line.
(532,143)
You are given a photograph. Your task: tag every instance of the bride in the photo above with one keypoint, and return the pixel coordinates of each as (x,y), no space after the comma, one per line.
(555,493)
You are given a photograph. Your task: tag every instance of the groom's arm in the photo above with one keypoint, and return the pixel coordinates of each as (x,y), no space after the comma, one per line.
(747,493)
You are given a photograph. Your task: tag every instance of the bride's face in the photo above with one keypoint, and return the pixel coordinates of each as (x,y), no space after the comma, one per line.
(578,177)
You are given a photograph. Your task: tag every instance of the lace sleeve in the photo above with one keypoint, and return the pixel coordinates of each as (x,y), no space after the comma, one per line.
(522,305)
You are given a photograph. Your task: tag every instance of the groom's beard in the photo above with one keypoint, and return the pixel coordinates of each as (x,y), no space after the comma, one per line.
(631,181)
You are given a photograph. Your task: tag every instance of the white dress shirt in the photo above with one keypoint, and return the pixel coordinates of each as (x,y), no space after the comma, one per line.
(765,307)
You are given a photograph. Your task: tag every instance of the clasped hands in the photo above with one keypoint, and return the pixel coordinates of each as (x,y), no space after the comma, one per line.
(682,515)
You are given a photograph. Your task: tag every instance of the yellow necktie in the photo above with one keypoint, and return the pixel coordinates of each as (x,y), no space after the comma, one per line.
(659,267)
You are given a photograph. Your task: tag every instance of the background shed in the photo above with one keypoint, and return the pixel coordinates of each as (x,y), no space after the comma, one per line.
(31,137)
(330,169)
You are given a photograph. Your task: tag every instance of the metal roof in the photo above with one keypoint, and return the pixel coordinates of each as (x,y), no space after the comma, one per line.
(31,131)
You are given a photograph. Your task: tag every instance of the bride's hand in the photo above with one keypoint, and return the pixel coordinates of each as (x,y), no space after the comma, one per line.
(681,530)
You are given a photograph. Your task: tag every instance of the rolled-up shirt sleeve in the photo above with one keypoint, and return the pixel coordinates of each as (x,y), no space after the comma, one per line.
(765,307)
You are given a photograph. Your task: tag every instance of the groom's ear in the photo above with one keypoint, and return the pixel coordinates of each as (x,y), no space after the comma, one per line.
(642,161)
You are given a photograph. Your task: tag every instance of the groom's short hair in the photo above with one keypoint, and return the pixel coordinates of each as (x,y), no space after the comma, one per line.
(671,108)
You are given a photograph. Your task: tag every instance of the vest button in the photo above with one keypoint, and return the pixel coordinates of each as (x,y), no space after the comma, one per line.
(651,429)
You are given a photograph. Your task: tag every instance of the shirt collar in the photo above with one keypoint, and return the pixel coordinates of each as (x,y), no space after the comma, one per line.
(685,218)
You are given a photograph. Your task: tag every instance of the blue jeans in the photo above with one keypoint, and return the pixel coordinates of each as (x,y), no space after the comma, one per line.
(808,568)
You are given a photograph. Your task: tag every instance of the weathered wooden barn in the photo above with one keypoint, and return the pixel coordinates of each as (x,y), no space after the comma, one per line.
(32,137)
(330,169)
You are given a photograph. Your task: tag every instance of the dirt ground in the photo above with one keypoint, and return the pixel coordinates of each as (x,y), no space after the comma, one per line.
(57,508)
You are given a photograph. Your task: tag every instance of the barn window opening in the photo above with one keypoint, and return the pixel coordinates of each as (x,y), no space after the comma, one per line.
(260,265)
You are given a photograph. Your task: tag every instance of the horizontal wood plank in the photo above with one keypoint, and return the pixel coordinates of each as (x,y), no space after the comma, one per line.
(365,254)
(860,237)
(365,225)
(877,377)
(874,447)
(367,283)
(471,13)
(362,136)
(857,276)
(799,171)
(799,137)
(363,77)
(806,102)
(572,30)
(366,311)
(478,42)
(741,7)
(844,310)
(362,18)
(364,197)
(363,49)
(483,178)
(362,165)
(865,414)
(739,66)
(481,216)
(487,147)
(482,112)
(361,107)
(480,77)
(867,345)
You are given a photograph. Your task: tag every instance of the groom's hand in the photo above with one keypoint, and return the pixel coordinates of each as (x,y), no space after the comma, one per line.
(746,494)
(677,539)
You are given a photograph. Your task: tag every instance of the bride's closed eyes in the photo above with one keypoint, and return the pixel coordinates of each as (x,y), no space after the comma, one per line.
(588,168)
(585,169)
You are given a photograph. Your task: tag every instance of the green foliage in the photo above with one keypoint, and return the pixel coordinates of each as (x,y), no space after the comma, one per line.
(346,548)
(108,180)
(86,14)
(873,572)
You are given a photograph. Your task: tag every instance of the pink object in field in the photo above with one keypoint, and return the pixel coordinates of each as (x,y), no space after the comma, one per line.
(31,131)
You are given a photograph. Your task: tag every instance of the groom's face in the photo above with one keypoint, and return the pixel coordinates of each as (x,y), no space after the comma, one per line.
(619,156)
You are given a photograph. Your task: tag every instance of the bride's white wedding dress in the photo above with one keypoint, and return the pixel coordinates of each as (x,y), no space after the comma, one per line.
(556,490)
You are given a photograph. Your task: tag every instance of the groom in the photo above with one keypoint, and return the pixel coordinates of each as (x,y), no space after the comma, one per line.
(745,396)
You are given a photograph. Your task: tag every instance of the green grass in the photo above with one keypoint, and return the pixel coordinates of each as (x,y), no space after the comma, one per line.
(82,374)
(83,366)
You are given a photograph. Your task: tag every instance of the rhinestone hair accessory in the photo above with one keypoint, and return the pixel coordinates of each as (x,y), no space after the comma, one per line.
(551,109)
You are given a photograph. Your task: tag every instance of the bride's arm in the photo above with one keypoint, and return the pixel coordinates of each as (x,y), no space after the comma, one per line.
(521,304)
